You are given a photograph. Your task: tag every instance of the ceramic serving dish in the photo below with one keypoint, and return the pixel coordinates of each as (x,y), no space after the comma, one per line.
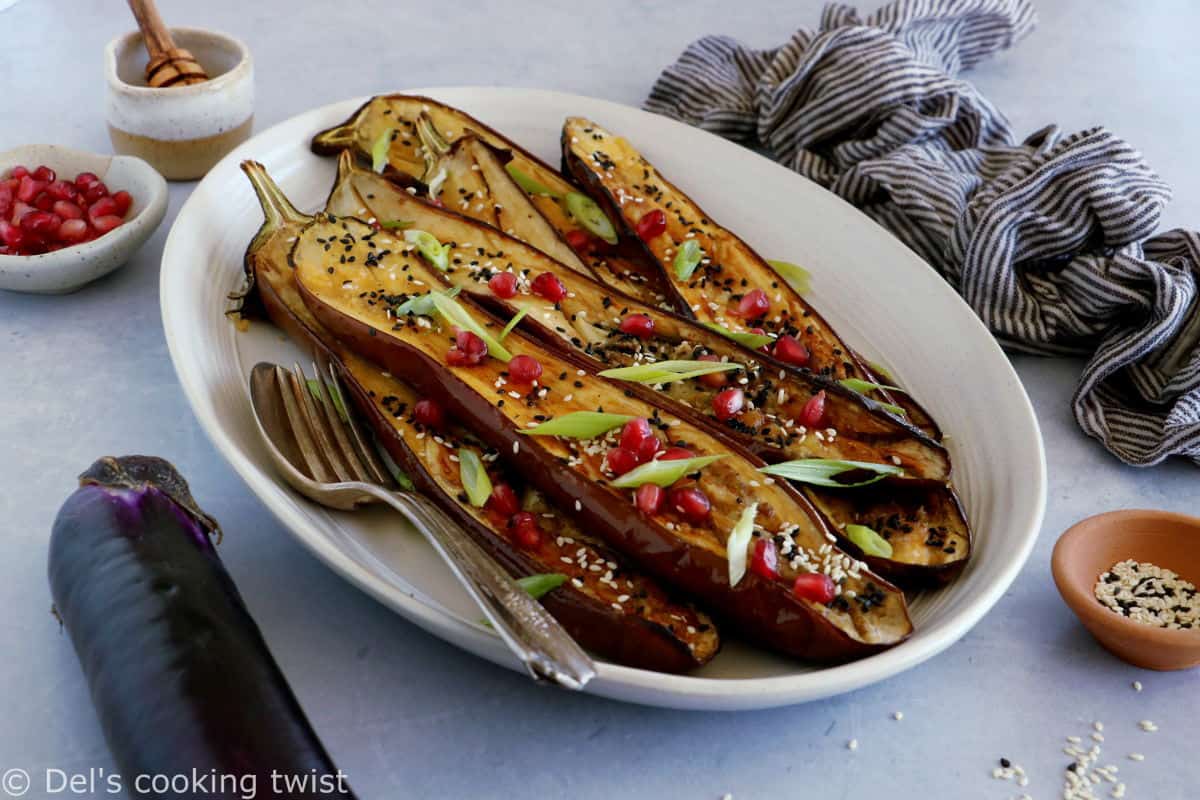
(917,326)
(68,269)
(181,130)
(1090,547)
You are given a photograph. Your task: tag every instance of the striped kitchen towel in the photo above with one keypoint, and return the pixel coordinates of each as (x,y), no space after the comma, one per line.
(1050,240)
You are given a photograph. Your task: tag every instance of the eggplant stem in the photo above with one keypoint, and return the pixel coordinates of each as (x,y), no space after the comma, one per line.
(276,207)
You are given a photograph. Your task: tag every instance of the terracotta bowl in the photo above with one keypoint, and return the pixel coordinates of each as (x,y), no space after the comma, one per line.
(1093,545)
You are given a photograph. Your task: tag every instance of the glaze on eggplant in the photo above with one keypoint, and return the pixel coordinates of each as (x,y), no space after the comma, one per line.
(179,673)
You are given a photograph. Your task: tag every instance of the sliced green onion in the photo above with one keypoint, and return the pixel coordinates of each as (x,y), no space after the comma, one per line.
(435,183)
(405,482)
(863,387)
(512,323)
(584,210)
(528,184)
(579,425)
(752,340)
(474,477)
(457,315)
(821,471)
(869,541)
(421,305)
(396,224)
(662,473)
(334,395)
(429,135)
(687,259)
(379,150)
(668,371)
(739,543)
(796,276)
(537,586)
(430,248)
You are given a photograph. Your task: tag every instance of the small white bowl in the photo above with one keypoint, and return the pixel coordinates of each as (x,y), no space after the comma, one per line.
(68,269)
(181,130)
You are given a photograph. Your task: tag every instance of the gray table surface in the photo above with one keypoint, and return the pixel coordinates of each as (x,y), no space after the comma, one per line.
(408,716)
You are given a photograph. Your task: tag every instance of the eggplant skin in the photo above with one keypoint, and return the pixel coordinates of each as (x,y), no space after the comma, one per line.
(179,673)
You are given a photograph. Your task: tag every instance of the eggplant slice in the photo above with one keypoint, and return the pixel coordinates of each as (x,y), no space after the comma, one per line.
(353,277)
(630,187)
(609,608)
(586,325)
(420,129)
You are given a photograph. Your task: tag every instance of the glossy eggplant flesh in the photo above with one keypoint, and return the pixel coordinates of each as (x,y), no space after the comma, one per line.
(354,277)
(611,609)
(587,322)
(421,130)
(731,285)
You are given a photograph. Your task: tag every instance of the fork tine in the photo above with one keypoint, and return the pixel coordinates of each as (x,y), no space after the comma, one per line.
(286,384)
(337,427)
(365,448)
(320,430)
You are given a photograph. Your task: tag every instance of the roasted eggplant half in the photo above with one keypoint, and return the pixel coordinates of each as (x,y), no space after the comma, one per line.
(405,135)
(593,323)
(695,512)
(608,607)
(712,274)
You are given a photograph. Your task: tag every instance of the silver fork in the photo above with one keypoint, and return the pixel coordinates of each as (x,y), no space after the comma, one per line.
(325,457)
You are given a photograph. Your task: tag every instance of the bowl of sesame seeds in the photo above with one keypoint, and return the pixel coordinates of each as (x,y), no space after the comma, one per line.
(1131,577)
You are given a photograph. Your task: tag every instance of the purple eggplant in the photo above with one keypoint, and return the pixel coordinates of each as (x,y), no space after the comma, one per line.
(179,673)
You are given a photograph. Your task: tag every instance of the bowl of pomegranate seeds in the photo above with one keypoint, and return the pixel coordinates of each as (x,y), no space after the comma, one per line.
(68,217)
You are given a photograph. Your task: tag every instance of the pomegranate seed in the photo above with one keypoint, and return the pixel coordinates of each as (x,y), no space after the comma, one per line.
(429,413)
(95,191)
(789,350)
(6,201)
(690,503)
(651,224)
(580,241)
(713,380)
(124,200)
(502,284)
(61,190)
(29,189)
(548,285)
(19,210)
(105,224)
(85,179)
(635,432)
(468,350)
(620,460)
(525,529)
(638,325)
(44,174)
(728,403)
(67,210)
(815,586)
(11,235)
(524,369)
(73,231)
(103,207)
(676,454)
(647,449)
(649,498)
(19,172)
(753,304)
(765,560)
(504,500)
(41,223)
(813,411)
(43,202)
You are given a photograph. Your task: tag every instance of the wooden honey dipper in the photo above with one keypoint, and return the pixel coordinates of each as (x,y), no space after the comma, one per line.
(169,65)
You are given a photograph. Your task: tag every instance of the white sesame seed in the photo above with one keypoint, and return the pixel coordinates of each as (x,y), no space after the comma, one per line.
(852,744)
(1137,686)
(897,715)
(1136,757)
